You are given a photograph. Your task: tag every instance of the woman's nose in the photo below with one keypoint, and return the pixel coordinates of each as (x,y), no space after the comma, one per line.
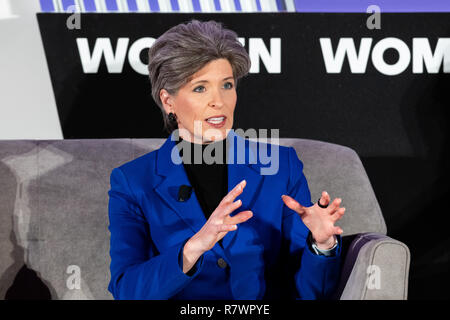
(216,99)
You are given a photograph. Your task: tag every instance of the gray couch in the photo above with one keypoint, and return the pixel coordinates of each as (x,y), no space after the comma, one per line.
(54,217)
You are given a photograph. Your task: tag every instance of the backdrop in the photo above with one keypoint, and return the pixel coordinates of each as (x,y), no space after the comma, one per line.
(383,92)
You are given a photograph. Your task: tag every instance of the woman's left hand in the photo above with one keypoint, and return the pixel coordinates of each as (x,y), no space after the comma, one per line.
(320,221)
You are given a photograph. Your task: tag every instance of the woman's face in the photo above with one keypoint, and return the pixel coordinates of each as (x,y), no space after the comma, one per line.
(205,105)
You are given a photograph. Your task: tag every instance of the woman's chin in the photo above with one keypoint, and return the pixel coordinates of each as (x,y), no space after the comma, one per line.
(219,134)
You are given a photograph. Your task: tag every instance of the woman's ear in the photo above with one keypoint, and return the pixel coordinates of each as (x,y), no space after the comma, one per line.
(166,100)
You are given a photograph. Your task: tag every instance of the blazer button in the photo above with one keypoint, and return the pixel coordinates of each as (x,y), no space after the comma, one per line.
(222,263)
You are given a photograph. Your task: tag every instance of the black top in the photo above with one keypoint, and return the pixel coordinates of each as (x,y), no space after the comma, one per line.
(207,172)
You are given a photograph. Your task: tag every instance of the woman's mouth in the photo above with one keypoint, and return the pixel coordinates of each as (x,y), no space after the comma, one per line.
(216,122)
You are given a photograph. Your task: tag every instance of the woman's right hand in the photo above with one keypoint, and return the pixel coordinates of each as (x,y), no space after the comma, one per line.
(217,226)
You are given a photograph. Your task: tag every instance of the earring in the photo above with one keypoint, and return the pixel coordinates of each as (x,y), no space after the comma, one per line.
(172,117)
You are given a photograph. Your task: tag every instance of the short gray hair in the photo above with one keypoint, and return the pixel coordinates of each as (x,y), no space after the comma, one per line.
(186,48)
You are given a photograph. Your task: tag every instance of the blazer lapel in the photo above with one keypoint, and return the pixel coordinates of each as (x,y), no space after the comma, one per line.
(239,168)
(170,167)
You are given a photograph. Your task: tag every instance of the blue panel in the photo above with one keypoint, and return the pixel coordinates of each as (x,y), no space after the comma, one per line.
(111,5)
(47,6)
(258,5)
(196,6)
(174,4)
(237,4)
(361,5)
(67,3)
(154,5)
(132,6)
(217,5)
(89,5)
(281,5)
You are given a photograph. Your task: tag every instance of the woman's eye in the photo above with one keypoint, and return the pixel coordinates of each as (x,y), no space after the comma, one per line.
(197,88)
(227,85)
(230,85)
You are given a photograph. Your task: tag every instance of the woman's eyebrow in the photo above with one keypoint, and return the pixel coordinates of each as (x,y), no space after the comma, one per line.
(208,81)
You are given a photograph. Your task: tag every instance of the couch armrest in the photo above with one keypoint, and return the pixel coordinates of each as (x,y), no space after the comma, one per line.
(375,267)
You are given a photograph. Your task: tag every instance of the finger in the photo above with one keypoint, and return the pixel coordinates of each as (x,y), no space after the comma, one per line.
(240,217)
(337,230)
(334,205)
(325,198)
(237,190)
(226,227)
(338,214)
(293,204)
(229,208)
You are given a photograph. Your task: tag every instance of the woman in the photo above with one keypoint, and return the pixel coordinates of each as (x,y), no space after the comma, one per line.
(184,230)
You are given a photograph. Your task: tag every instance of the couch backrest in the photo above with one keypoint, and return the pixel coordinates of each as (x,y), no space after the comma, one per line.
(54,205)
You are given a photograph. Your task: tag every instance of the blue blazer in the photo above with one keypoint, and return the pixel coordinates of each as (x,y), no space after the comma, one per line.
(266,257)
